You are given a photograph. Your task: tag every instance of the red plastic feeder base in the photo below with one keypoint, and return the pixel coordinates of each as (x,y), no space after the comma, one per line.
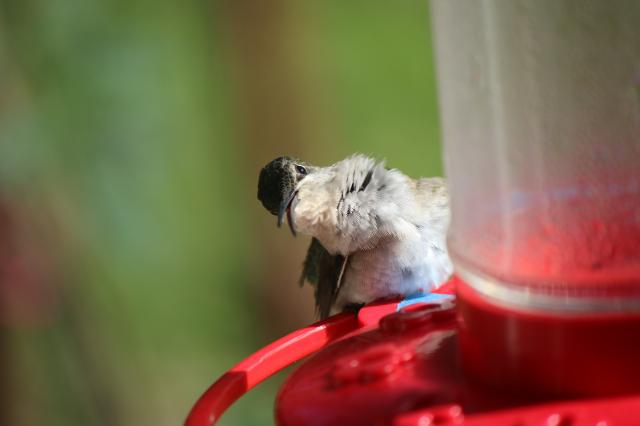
(408,370)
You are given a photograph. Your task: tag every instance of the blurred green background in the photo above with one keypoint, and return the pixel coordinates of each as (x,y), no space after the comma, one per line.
(136,264)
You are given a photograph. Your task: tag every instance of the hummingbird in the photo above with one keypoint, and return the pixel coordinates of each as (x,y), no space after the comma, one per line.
(376,233)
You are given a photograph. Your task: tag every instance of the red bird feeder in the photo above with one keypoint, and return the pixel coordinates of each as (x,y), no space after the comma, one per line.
(540,105)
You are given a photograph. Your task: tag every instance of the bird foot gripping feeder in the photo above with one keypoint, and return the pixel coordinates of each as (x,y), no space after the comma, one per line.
(540,104)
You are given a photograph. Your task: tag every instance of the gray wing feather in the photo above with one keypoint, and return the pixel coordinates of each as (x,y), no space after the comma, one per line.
(311,265)
(323,270)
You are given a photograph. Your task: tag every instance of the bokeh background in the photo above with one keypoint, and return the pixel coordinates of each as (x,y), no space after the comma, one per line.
(136,264)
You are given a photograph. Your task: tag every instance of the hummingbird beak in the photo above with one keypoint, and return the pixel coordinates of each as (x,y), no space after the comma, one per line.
(285,209)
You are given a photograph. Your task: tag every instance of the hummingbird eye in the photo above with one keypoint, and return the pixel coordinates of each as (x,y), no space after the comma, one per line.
(301,170)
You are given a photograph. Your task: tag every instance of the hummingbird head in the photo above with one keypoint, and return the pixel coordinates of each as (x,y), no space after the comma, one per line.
(277,184)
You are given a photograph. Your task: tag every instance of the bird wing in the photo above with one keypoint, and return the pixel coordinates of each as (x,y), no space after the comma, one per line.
(324,271)
(433,195)
(311,265)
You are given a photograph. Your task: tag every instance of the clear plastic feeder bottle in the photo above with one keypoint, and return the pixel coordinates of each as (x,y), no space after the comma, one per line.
(540,106)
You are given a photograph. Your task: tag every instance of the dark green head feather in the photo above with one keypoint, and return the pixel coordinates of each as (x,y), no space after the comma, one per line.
(276,181)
